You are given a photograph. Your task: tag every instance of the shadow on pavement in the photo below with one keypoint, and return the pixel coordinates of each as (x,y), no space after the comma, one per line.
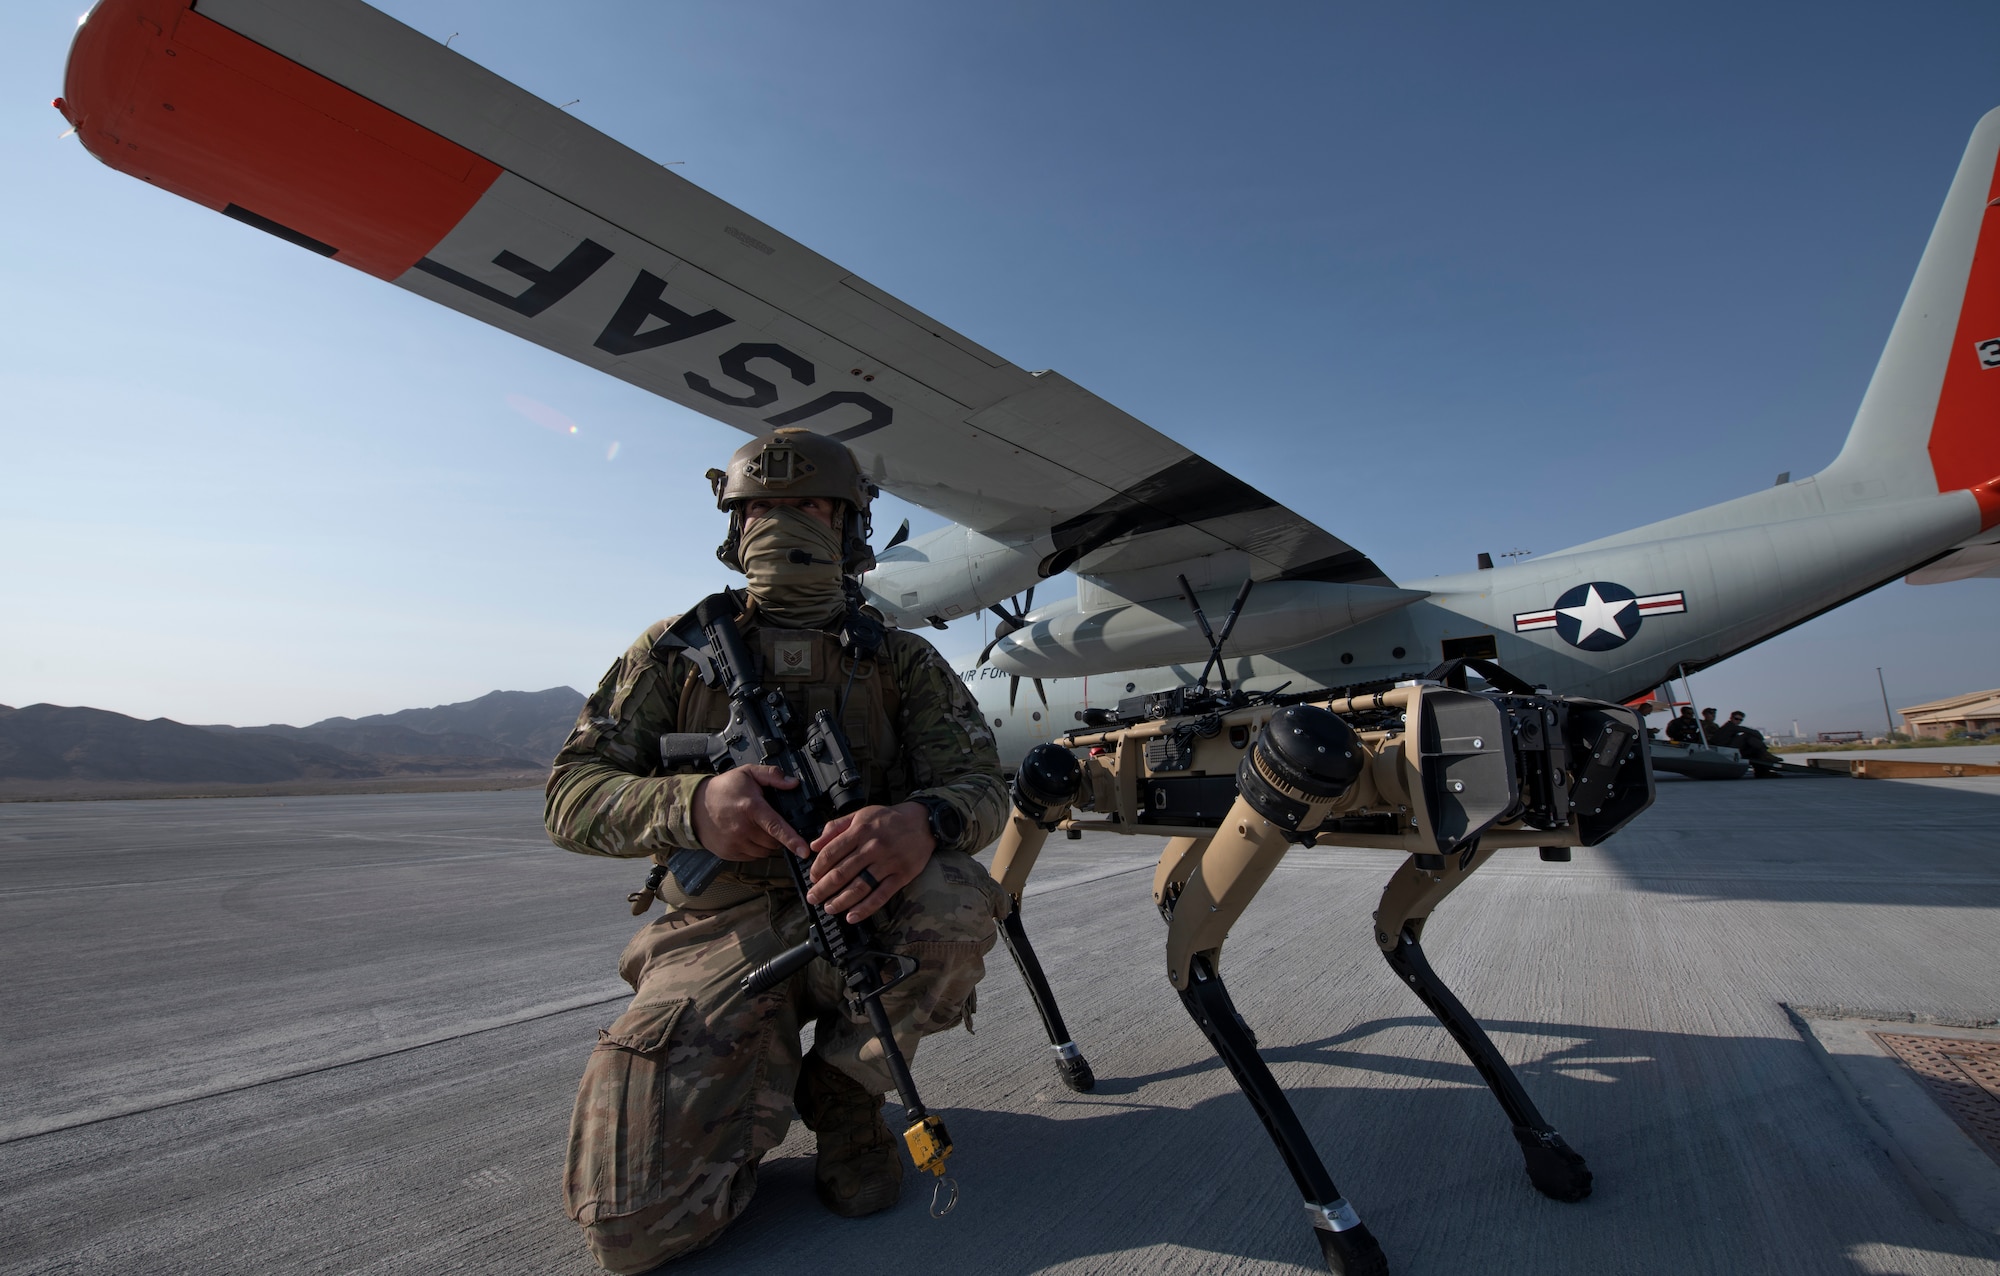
(1711,1155)
(1812,841)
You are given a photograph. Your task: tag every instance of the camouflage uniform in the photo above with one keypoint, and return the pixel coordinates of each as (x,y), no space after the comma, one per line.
(694,1082)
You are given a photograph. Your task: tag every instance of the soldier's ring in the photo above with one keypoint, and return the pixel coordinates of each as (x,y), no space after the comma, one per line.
(869,878)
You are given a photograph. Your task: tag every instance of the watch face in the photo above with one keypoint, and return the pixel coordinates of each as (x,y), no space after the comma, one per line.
(946,823)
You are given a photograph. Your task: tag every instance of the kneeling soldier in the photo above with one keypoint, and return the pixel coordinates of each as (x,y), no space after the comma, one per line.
(696,1081)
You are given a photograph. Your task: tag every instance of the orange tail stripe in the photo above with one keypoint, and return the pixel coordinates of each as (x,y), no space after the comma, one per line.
(1988,496)
(1965,434)
(158,91)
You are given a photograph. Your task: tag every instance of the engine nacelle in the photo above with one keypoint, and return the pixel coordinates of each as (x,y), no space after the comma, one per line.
(951,572)
(1063,641)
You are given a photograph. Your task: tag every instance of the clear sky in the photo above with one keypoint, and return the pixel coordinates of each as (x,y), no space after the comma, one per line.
(1443,278)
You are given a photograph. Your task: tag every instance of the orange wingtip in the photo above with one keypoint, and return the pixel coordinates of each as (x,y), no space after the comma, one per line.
(177,99)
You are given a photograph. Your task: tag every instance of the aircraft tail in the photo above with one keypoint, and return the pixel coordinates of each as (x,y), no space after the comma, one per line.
(1930,421)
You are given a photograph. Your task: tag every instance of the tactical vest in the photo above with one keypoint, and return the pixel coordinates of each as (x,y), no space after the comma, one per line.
(812,672)
(809,669)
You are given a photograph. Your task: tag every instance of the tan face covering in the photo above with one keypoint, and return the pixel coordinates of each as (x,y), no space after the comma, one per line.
(790,593)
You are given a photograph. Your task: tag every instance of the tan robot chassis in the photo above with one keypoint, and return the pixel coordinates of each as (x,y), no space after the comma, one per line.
(1234,780)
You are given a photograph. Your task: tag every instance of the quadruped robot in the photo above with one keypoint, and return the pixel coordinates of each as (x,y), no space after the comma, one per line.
(1234,780)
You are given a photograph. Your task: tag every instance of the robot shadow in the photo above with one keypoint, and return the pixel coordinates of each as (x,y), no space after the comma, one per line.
(1711,1154)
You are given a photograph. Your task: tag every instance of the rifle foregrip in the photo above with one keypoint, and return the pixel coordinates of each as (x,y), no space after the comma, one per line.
(777,970)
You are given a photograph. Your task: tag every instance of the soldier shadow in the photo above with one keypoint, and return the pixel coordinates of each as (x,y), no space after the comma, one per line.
(1718,1154)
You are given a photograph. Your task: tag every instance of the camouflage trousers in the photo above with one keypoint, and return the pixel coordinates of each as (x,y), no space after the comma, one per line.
(692,1085)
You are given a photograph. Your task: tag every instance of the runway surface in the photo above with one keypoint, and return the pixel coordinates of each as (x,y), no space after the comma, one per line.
(342,1034)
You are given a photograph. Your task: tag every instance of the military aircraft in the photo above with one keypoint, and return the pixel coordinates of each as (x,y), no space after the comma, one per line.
(335,127)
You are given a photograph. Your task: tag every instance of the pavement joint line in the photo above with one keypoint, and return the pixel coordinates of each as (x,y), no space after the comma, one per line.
(168,882)
(59,1125)
(1064,883)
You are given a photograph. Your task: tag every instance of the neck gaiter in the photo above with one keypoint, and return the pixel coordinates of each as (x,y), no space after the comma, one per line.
(794,594)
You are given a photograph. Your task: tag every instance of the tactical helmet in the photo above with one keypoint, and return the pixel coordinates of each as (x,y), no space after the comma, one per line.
(794,462)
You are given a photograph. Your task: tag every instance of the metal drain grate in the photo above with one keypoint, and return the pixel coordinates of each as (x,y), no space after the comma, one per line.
(1963,1076)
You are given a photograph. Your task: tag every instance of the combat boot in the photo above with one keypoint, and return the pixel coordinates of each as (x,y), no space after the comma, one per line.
(858,1171)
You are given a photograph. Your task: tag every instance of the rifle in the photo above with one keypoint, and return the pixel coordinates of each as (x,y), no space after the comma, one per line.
(829,784)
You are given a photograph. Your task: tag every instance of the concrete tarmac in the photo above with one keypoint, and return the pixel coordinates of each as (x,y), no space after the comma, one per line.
(342,1034)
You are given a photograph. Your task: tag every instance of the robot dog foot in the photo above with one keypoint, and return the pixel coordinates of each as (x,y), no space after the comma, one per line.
(1555,1168)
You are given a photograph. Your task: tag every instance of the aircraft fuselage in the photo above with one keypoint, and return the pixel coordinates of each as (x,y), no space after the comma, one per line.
(1608,619)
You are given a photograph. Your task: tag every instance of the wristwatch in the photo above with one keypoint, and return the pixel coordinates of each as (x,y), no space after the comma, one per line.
(947,825)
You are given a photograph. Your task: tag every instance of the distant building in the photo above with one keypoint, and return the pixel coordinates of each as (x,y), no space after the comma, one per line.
(1977,713)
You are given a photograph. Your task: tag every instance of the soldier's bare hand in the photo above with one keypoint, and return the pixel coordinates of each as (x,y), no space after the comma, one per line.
(891,843)
(732,819)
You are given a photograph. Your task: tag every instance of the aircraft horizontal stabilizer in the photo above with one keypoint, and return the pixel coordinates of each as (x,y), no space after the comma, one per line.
(1063,640)
(1968,562)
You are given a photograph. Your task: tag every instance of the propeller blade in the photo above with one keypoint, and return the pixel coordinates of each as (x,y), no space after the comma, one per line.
(1038,691)
(1029,605)
(1013,690)
(987,650)
(902,534)
(1001,612)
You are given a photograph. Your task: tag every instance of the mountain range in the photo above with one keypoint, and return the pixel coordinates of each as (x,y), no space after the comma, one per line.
(502,731)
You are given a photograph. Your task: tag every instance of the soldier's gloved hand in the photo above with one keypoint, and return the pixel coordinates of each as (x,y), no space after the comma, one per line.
(893,843)
(732,819)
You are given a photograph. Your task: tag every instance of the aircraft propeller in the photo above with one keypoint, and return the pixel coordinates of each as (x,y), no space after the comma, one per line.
(1009,622)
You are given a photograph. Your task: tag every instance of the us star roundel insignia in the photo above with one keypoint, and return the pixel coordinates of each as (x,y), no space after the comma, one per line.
(1599,615)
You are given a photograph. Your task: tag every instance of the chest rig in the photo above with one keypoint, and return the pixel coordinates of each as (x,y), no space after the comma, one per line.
(812,671)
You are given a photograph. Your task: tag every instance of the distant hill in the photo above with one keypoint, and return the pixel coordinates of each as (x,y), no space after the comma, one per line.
(533,723)
(52,742)
(500,731)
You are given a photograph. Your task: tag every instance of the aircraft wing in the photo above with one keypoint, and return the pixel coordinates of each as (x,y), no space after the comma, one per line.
(334,126)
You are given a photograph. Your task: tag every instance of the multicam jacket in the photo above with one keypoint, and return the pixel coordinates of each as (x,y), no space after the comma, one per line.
(914,727)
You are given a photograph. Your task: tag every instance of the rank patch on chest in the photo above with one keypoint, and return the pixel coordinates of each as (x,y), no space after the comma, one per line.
(792,658)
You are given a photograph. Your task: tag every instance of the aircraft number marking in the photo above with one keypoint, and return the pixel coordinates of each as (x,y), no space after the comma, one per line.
(646,300)
(1989,352)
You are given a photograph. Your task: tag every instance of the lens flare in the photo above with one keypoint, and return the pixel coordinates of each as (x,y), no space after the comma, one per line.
(611,453)
(541,414)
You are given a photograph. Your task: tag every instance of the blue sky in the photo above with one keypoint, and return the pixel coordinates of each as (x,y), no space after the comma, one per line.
(1443,278)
